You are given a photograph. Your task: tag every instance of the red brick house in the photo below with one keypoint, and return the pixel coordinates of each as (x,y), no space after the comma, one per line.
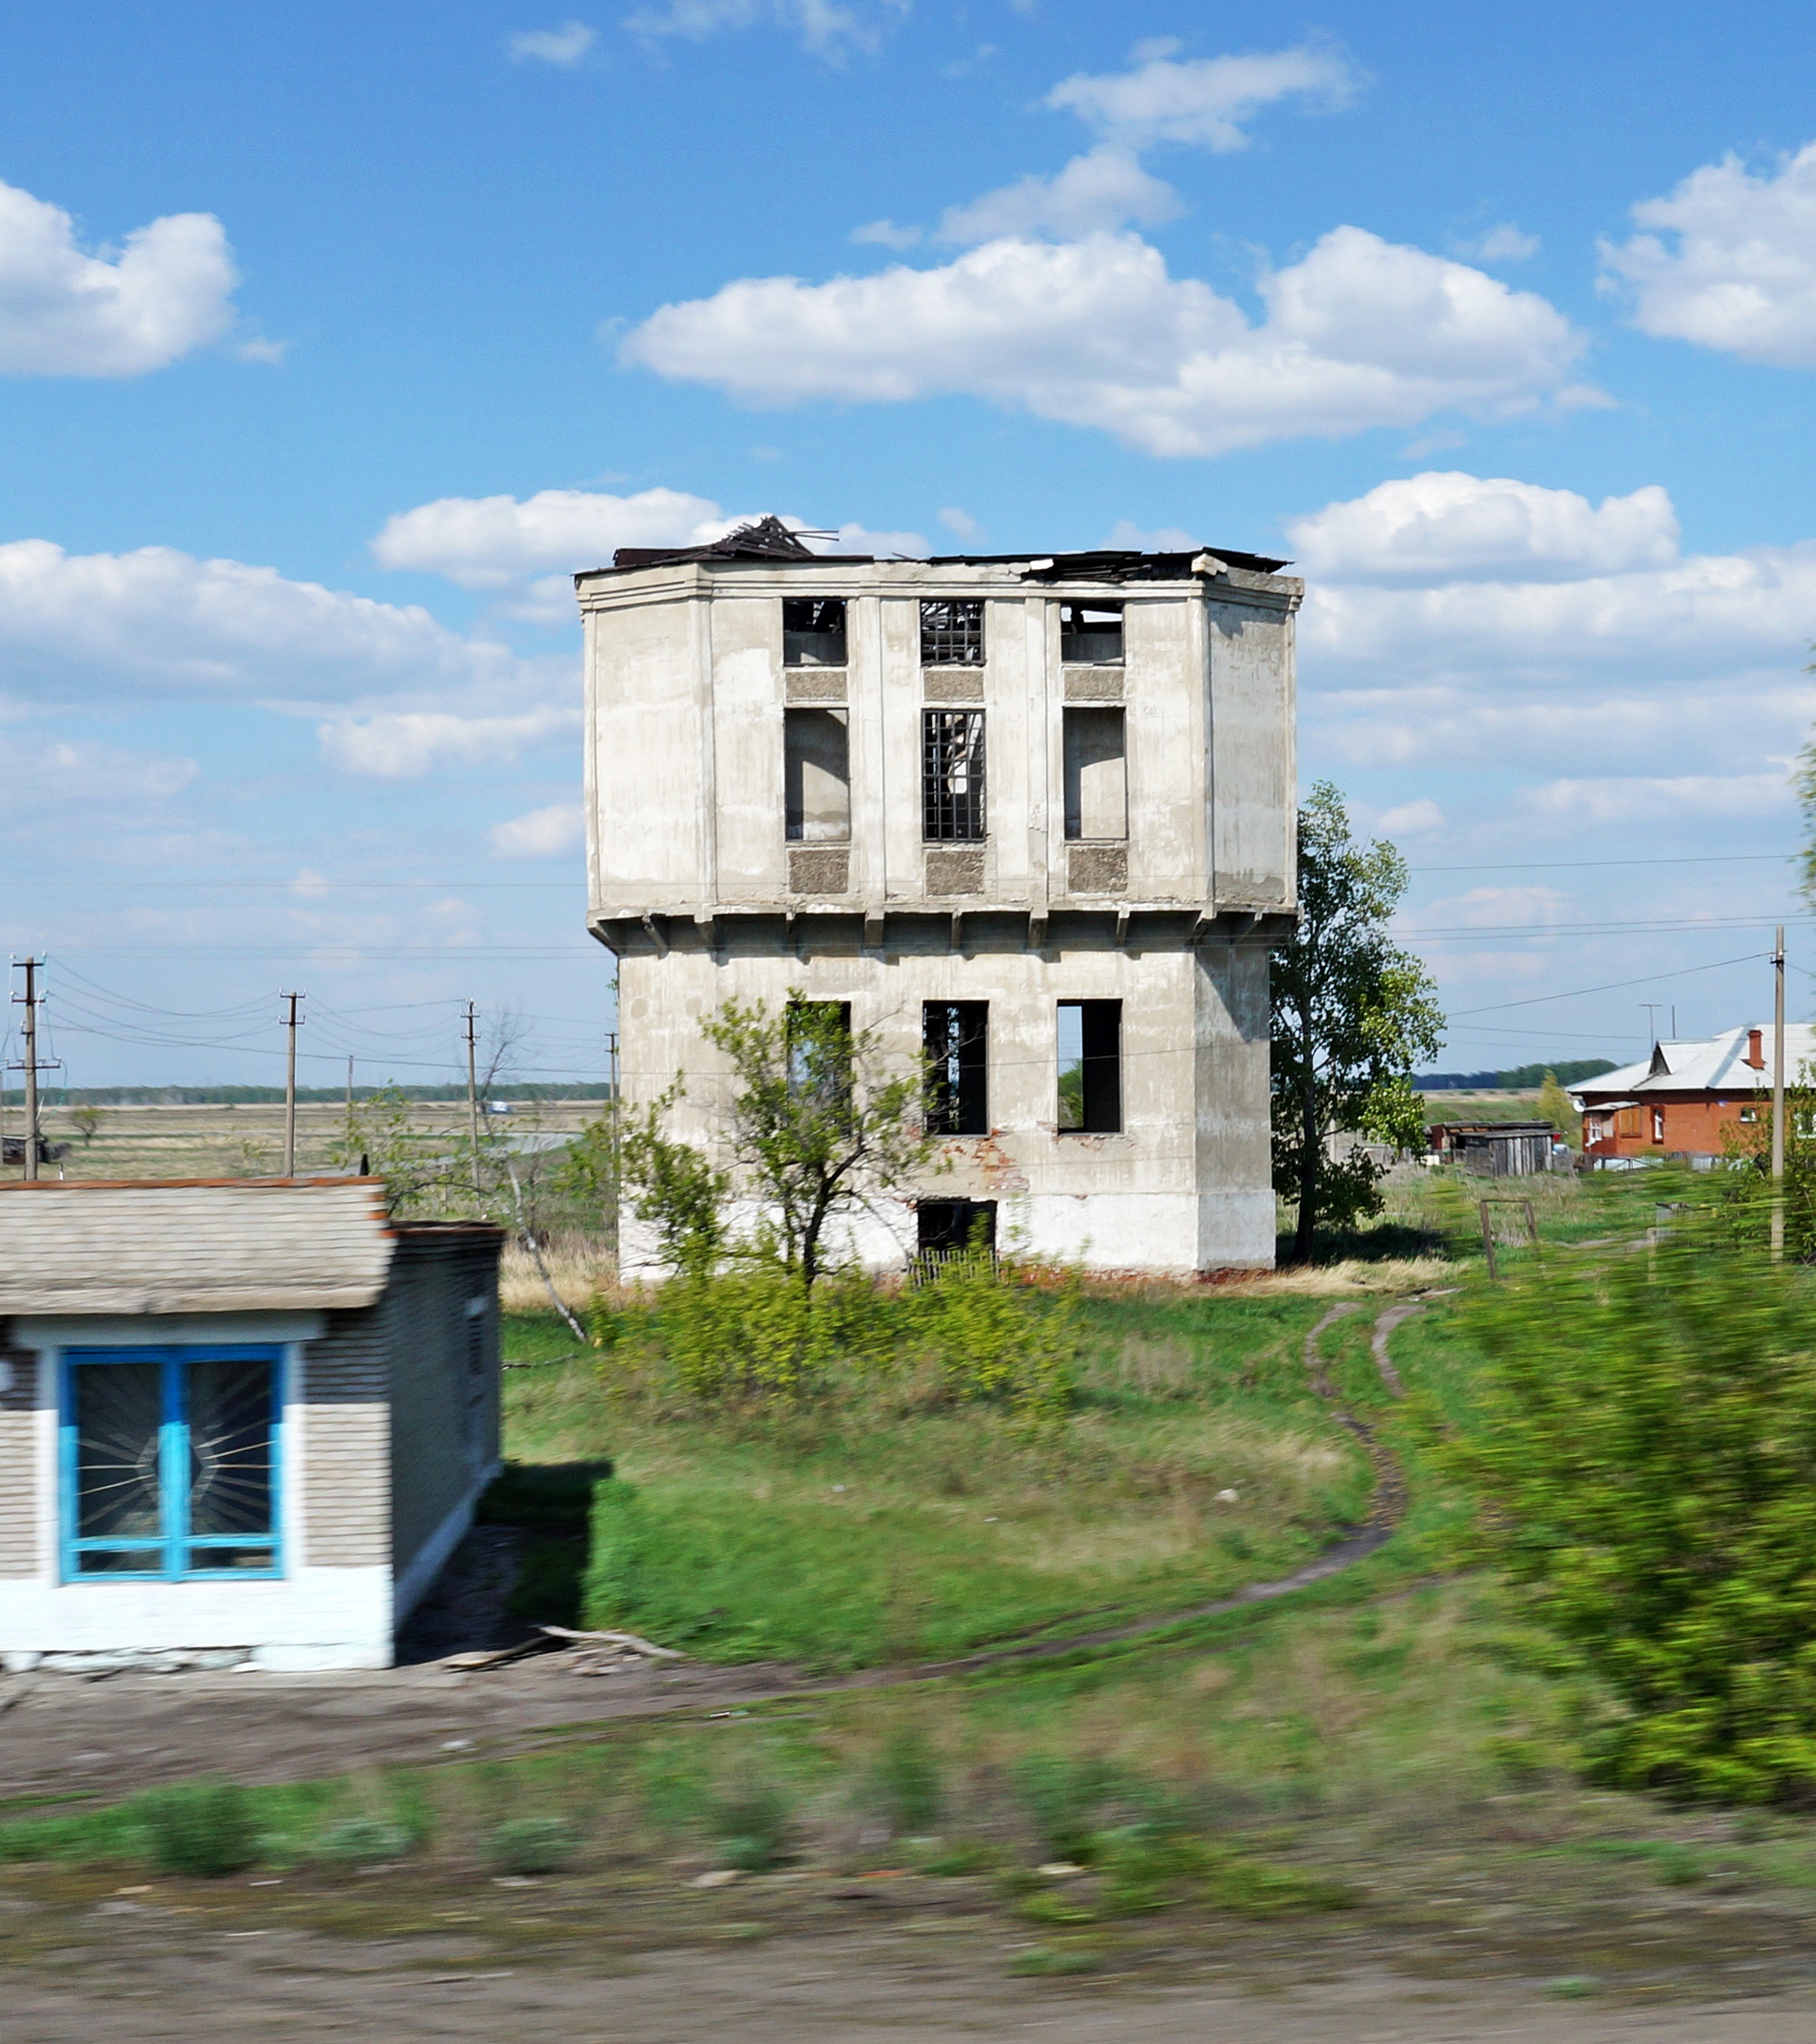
(1689,1099)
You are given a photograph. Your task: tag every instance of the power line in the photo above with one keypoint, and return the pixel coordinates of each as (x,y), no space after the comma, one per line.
(1612,986)
(1578,865)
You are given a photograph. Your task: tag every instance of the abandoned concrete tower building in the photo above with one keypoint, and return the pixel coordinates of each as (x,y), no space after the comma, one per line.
(1031,817)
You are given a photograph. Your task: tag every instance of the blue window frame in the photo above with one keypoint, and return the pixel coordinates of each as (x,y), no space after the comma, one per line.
(171,1463)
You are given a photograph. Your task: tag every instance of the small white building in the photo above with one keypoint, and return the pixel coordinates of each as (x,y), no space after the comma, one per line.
(247,1419)
(1031,817)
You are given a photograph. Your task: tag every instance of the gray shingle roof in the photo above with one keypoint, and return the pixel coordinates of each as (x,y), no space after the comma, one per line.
(193,1247)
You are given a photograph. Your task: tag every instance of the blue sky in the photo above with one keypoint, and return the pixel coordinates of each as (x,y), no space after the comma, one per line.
(331,340)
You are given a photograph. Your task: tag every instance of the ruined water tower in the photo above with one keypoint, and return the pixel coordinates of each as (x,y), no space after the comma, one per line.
(1032,816)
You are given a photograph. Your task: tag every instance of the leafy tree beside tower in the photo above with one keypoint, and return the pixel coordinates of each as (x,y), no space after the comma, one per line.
(1353,1014)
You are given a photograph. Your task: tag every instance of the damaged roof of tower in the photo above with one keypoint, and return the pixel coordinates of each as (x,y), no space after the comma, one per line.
(769,540)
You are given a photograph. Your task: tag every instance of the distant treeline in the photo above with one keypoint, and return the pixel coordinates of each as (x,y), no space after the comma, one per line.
(258,1095)
(1522,1078)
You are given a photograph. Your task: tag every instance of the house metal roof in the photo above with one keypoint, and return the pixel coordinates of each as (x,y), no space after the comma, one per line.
(769,540)
(1713,1064)
(193,1246)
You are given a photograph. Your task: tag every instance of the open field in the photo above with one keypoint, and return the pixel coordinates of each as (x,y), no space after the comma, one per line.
(1350,1812)
(246,1139)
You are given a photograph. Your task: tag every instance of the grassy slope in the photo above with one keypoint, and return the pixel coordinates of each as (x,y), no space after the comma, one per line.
(858,1536)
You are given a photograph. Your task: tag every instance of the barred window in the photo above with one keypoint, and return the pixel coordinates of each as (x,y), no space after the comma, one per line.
(951,634)
(952,774)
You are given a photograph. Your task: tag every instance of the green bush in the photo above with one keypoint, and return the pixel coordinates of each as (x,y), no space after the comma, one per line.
(1644,1457)
(204,1829)
(357,1841)
(1062,1798)
(905,1783)
(750,1827)
(994,1340)
(531,1845)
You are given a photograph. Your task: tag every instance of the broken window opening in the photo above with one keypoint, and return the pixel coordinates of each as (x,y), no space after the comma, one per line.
(956,1036)
(1091,634)
(952,774)
(1096,758)
(816,776)
(819,1037)
(1090,1067)
(948,1227)
(951,633)
(813,631)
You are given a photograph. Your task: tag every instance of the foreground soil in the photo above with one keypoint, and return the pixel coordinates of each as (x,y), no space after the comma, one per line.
(781,1960)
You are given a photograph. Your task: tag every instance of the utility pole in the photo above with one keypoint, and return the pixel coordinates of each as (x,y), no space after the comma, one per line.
(612,1054)
(350,1099)
(473,1087)
(31,1067)
(1778,1097)
(292,1025)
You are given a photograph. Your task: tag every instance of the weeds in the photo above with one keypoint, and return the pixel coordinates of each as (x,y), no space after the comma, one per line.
(530,1847)
(204,1829)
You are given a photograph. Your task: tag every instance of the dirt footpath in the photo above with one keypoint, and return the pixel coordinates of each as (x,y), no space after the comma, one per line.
(106,1738)
(855,1989)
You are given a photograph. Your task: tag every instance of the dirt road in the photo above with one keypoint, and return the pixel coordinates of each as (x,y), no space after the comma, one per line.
(133,1984)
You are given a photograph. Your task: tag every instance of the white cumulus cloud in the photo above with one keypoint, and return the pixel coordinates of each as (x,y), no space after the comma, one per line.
(564,47)
(1415,819)
(1728,261)
(64,312)
(490,542)
(396,745)
(1451,526)
(828,27)
(1104,189)
(1643,798)
(545,833)
(1205,101)
(1359,333)
(86,627)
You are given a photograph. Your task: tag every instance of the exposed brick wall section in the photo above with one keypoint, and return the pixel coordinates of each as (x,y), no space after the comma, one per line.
(444,1376)
(18,1463)
(347,1443)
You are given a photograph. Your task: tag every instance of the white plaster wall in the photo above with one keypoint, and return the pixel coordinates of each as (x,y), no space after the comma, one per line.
(1184,1185)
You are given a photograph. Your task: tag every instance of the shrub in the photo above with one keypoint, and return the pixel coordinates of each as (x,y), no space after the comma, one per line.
(357,1841)
(906,1783)
(530,1846)
(995,1340)
(750,1825)
(204,1829)
(1063,1798)
(1644,1462)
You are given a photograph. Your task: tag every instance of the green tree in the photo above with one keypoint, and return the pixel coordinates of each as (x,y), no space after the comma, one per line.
(1644,1458)
(1554,1106)
(1352,1014)
(817,1127)
(674,1188)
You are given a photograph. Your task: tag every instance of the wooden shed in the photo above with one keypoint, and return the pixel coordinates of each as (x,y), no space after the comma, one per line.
(1500,1149)
(247,1419)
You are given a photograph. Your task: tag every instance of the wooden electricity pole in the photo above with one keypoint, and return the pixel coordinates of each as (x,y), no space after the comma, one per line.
(1778,1097)
(31,1067)
(473,1088)
(291,1025)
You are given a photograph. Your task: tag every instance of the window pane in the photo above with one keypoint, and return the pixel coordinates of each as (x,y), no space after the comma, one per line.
(229,1449)
(134,1562)
(119,1411)
(204,1558)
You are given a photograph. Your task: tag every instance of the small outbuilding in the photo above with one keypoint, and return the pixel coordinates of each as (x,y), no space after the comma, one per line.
(247,1419)
(1500,1149)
